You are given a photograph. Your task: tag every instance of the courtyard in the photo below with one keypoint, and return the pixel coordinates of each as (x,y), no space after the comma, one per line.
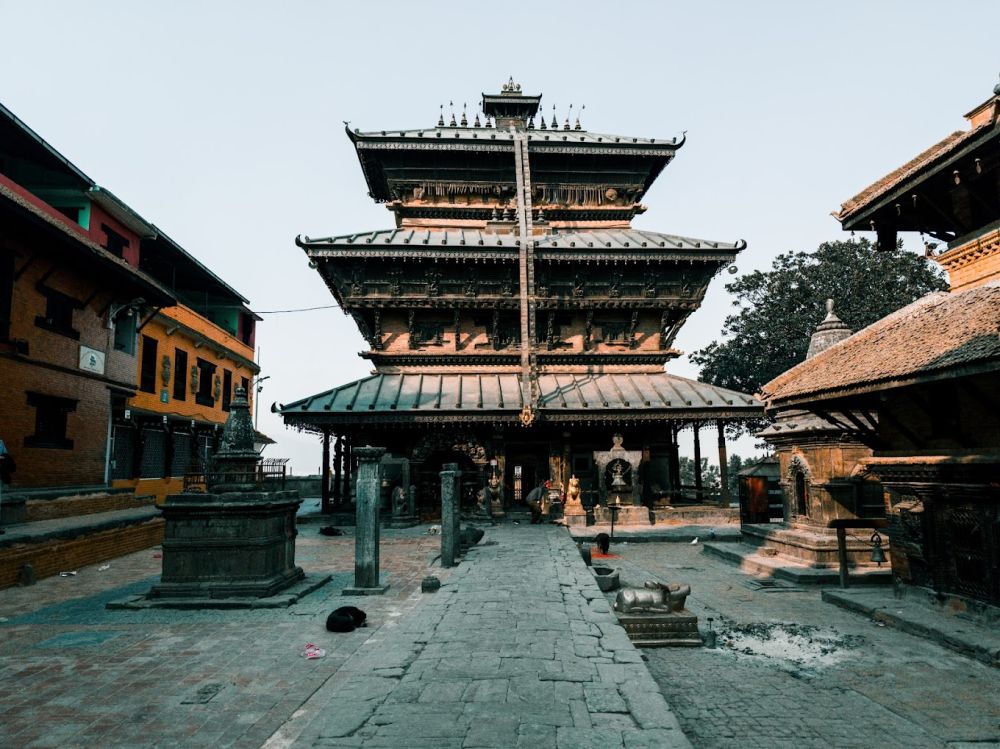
(516,649)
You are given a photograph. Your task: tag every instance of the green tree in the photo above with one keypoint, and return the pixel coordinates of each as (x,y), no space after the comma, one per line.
(779,309)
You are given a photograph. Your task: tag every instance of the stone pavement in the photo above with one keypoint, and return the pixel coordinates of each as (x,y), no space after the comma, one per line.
(518,649)
(73,674)
(792,671)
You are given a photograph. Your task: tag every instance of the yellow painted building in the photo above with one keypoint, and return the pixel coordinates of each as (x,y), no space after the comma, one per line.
(192,357)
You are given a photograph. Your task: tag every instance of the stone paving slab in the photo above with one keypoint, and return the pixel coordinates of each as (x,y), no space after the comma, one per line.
(518,648)
(793,671)
(917,615)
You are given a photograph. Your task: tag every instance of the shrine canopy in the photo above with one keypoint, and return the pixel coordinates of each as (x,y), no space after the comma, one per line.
(496,397)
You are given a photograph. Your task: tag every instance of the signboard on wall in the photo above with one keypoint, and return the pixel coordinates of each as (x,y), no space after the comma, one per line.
(91,360)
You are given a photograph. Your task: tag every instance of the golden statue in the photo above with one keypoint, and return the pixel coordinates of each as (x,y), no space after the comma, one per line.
(573,491)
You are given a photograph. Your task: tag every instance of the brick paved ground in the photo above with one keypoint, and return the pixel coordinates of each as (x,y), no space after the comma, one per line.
(511,652)
(873,686)
(74,674)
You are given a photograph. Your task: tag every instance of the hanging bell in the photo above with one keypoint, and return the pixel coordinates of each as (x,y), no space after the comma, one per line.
(878,555)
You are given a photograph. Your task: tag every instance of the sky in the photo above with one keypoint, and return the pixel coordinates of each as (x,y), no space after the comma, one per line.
(222,123)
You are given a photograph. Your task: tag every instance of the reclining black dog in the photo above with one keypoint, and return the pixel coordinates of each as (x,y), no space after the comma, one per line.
(345,619)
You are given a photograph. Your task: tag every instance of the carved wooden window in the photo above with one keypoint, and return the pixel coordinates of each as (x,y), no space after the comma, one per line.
(180,378)
(147,367)
(58,317)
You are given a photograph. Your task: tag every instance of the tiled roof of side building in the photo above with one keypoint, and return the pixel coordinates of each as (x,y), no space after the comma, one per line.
(406,395)
(895,178)
(934,337)
(615,239)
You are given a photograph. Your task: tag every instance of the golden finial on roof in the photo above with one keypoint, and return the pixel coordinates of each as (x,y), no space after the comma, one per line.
(568,115)
(453,123)
(555,122)
(465,120)
(476,121)
(510,88)
(441,117)
(577,126)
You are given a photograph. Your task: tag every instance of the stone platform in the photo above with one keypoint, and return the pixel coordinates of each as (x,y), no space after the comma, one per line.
(649,630)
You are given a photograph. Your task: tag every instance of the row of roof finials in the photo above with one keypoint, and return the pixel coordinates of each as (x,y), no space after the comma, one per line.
(464,121)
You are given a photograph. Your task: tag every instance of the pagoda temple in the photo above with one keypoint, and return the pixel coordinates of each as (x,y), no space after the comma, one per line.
(517,323)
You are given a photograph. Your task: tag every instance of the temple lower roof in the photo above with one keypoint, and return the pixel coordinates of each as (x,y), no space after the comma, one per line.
(554,245)
(391,398)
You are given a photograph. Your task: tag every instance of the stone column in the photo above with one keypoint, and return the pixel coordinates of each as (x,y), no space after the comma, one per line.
(723,464)
(453,467)
(698,488)
(449,542)
(324,491)
(366,556)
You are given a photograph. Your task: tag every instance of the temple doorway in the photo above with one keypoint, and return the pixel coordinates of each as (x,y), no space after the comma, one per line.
(428,483)
(526,469)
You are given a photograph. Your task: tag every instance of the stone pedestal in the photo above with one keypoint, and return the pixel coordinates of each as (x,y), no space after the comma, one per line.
(656,630)
(625,515)
(574,514)
(366,539)
(228,545)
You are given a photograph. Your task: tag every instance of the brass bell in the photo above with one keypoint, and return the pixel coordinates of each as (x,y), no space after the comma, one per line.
(878,555)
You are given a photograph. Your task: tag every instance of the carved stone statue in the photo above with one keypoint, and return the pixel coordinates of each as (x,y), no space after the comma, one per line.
(654,596)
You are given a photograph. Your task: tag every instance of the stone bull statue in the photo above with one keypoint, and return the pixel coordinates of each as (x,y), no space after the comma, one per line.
(654,596)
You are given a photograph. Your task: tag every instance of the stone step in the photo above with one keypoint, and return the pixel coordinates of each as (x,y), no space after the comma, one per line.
(30,551)
(90,504)
(752,562)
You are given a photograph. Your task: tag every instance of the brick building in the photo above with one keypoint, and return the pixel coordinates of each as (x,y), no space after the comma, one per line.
(102,320)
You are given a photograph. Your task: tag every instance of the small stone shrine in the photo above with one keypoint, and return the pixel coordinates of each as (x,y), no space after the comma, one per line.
(654,616)
(619,485)
(232,546)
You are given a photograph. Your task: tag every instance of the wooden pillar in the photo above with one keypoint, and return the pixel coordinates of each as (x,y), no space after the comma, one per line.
(338,458)
(698,489)
(674,465)
(366,540)
(325,488)
(348,468)
(723,464)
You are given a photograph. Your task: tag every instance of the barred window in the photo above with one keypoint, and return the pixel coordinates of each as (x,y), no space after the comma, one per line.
(153,454)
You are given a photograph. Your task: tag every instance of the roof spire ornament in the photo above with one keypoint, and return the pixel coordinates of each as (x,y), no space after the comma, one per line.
(488,124)
(832,330)
(441,117)
(531,122)
(568,115)
(465,120)
(555,122)
(542,119)
(577,125)
(453,123)
(476,122)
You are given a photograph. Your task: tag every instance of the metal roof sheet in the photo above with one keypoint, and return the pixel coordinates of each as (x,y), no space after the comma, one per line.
(471,239)
(500,392)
